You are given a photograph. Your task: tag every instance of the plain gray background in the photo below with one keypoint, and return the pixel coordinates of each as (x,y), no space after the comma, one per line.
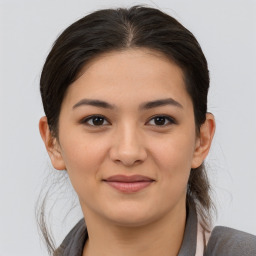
(226,31)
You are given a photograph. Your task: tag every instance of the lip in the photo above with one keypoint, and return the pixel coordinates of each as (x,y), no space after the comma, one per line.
(124,178)
(129,184)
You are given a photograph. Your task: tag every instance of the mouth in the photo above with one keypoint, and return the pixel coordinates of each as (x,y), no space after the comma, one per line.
(129,184)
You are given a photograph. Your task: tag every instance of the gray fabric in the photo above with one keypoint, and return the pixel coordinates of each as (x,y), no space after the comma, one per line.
(74,242)
(226,241)
(188,246)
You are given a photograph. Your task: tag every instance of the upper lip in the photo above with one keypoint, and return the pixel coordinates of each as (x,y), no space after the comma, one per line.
(124,178)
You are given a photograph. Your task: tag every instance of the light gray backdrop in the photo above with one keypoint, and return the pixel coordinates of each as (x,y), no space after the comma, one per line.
(226,31)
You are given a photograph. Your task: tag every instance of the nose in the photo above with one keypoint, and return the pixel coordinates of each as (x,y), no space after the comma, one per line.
(127,147)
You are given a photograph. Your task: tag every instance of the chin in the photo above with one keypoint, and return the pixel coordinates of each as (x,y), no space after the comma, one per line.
(131,222)
(132,217)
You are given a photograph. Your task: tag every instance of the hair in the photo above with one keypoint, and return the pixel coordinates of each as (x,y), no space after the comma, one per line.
(120,29)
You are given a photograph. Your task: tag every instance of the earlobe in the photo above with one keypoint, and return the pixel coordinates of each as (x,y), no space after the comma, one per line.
(51,145)
(204,141)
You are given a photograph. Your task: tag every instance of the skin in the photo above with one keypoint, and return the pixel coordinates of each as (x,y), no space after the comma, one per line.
(130,141)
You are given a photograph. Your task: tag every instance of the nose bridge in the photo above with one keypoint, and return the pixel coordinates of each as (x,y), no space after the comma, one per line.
(128,145)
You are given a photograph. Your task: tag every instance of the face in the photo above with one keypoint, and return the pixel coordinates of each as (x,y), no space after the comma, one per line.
(127,137)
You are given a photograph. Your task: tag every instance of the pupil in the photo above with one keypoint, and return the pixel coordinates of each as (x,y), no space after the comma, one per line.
(160,120)
(97,120)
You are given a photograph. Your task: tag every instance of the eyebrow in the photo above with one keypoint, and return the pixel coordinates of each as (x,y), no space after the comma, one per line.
(95,103)
(159,103)
(143,106)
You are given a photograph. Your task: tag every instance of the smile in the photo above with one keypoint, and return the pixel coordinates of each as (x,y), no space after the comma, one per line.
(129,184)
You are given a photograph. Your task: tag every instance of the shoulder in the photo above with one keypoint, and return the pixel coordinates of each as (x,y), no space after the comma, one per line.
(226,241)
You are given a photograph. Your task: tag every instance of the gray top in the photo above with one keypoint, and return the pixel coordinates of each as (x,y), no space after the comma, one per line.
(222,242)
(226,241)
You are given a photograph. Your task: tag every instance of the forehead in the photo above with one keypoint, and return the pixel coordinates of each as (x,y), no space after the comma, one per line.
(150,62)
(133,74)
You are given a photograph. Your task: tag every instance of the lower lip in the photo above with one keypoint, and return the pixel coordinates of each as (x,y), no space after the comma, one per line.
(129,187)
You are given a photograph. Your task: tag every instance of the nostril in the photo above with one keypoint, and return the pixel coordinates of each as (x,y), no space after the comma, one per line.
(127,162)
(127,154)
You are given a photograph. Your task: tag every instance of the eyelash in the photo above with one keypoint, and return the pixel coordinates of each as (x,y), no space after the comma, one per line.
(168,118)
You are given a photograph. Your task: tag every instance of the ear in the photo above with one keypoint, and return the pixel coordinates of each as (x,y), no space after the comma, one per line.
(51,144)
(204,140)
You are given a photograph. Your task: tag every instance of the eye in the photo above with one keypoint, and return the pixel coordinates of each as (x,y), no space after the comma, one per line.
(95,120)
(161,120)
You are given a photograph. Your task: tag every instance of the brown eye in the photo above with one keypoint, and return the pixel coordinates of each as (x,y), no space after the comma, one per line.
(161,121)
(95,120)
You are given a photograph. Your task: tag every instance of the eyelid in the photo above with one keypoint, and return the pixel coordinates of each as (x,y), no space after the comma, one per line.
(169,118)
(86,119)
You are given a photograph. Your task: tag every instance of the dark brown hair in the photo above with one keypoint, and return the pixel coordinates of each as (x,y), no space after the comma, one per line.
(116,30)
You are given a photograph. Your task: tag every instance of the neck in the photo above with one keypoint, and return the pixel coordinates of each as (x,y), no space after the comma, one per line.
(162,237)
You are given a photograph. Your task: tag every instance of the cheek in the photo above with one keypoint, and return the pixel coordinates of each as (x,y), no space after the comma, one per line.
(176,151)
(82,157)
(174,159)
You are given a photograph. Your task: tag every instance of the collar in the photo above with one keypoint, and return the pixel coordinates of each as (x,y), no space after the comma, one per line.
(74,242)
(188,246)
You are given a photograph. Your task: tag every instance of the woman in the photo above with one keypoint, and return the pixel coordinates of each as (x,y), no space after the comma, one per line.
(125,97)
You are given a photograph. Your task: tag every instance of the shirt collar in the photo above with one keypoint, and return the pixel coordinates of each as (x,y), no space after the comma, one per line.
(74,243)
(188,246)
